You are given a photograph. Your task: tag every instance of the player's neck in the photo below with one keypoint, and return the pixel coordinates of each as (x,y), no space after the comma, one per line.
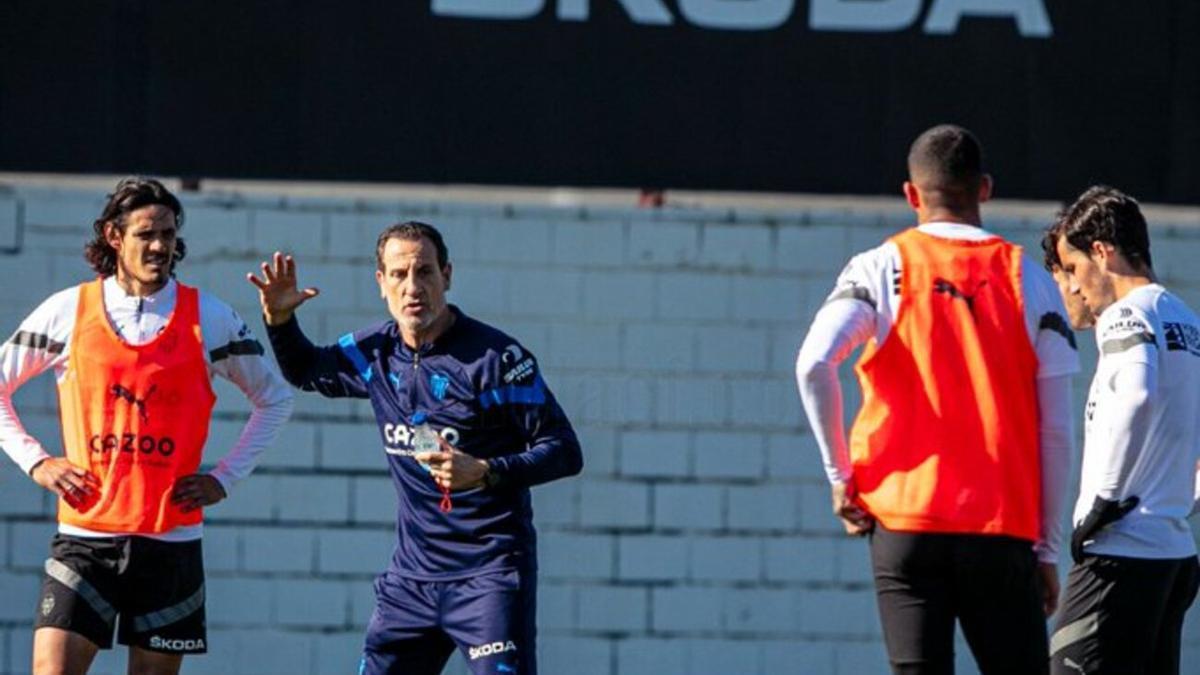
(414,339)
(136,288)
(943,215)
(1124,284)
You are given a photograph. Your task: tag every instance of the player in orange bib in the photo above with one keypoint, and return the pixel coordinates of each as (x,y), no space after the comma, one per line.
(133,353)
(956,464)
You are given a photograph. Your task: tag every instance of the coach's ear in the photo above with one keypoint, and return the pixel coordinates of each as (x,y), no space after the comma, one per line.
(447,273)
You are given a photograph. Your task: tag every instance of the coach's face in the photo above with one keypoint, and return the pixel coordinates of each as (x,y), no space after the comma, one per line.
(1087,274)
(145,248)
(413,285)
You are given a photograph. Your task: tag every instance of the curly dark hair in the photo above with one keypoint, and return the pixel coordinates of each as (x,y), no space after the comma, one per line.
(130,195)
(1103,213)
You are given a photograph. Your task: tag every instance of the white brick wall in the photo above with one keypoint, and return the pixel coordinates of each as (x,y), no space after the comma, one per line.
(699,538)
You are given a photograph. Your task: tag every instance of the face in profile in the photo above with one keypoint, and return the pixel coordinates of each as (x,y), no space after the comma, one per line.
(1087,275)
(1077,312)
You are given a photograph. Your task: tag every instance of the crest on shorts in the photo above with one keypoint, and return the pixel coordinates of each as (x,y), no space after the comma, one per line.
(47,605)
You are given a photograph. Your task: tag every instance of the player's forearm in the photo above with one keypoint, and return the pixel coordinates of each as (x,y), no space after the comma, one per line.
(1128,421)
(19,363)
(260,432)
(22,448)
(1055,436)
(821,394)
(838,328)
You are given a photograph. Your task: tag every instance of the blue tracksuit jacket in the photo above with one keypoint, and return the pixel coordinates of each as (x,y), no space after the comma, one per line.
(484,393)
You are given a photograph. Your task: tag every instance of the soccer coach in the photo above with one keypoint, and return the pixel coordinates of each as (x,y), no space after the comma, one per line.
(467,427)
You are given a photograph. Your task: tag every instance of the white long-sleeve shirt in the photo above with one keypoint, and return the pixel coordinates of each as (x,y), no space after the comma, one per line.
(863,306)
(43,342)
(1142,424)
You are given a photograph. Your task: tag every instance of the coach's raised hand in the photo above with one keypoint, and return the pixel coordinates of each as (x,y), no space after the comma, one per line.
(277,290)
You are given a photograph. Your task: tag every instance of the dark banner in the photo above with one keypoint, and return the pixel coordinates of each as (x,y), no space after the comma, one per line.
(775,95)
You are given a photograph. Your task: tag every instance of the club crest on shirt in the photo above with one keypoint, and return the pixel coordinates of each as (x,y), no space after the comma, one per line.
(439,383)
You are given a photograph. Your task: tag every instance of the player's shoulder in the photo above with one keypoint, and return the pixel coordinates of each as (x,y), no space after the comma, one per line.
(1128,322)
(213,307)
(57,309)
(1037,286)
(218,319)
(870,265)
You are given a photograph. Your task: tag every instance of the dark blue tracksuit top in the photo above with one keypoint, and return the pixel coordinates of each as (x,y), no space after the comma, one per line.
(484,393)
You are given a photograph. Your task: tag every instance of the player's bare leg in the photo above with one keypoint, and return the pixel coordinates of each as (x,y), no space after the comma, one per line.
(61,652)
(145,662)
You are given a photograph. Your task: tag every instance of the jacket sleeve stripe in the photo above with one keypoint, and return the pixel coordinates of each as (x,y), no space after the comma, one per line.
(534,394)
(352,352)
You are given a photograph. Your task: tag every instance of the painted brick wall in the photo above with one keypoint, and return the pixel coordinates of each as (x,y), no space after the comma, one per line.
(699,538)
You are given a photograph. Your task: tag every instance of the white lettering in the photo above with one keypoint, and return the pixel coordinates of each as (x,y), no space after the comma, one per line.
(397,434)
(736,14)
(867,16)
(519,371)
(1030,15)
(646,12)
(175,645)
(857,16)
(399,438)
(491,648)
(488,9)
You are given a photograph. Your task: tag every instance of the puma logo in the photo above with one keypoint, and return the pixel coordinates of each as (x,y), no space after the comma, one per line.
(940,285)
(131,398)
(1071,664)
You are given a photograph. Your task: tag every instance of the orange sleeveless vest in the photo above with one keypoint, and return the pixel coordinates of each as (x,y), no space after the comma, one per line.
(135,416)
(947,437)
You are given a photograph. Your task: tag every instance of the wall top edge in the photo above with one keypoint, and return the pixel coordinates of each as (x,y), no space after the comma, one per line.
(547,202)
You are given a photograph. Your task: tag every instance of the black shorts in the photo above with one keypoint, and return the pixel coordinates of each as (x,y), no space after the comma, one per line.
(989,584)
(1123,615)
(151,591)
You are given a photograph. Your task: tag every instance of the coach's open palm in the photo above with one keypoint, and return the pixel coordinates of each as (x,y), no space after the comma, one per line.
(277,290)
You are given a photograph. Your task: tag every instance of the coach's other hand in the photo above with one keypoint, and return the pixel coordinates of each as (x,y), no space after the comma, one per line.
(197,491)
(452,468)
(854,517)
(277,290)
(1104,512)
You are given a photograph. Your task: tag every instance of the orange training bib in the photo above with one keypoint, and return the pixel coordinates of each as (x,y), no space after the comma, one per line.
(947,437)
(135,416)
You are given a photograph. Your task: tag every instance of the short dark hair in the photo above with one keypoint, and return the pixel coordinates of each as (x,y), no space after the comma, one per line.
(947,160)
(412,230)
(1106,214)
(1050,248)
(131,194)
